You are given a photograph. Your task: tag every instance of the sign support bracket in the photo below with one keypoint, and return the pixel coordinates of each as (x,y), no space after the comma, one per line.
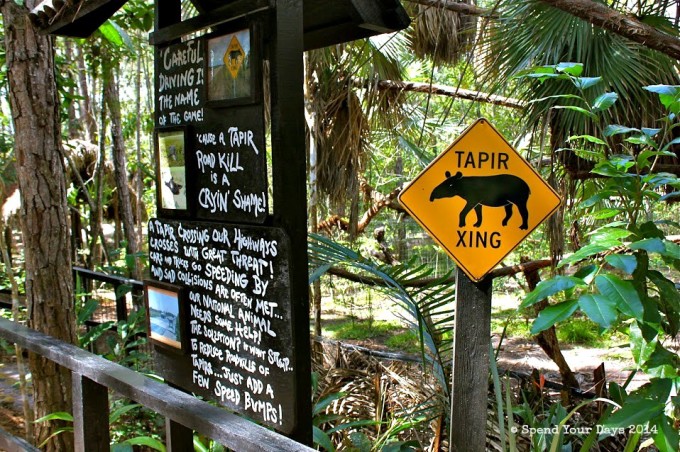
(470,376)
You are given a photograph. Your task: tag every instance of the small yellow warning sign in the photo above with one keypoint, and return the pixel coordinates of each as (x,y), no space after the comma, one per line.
(234,56)
(479,199)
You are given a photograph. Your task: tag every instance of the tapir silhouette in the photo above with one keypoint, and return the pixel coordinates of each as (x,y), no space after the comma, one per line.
(502,190)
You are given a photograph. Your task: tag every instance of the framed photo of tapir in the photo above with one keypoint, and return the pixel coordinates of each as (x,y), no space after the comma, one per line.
(171,145)
(234,66)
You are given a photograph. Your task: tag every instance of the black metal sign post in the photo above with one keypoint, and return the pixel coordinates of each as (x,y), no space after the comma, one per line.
(469,389)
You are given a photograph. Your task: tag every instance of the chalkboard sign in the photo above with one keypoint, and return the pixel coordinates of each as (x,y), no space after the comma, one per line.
(239,326)
(180,83)
(222,173)
(231,163)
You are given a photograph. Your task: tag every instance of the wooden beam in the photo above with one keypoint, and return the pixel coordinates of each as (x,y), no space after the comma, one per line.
(171,32)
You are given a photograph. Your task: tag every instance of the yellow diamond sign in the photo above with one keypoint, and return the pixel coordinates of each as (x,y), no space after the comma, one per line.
(479,199)
(234,56)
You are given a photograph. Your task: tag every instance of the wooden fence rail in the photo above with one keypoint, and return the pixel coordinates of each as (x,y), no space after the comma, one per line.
(93,376)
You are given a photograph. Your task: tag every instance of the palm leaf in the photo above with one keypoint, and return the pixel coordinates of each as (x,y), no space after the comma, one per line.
(427,309)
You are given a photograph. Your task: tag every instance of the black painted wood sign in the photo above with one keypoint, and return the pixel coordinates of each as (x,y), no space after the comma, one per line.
(237,344)
(210,132)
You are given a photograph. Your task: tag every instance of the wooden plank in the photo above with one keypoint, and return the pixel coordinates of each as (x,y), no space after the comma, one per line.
(178,438)
(90,414)
(11,443)
(289,163)
(470,382)
(170,32)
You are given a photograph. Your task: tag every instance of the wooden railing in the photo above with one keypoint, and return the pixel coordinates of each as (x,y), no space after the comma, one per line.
(94,376)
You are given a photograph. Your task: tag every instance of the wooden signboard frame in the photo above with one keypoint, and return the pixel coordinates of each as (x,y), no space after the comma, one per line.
(282,46)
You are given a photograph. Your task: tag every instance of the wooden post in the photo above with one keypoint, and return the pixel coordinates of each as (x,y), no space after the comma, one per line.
(90,414)
(470,380)
(289,182)
(178,437)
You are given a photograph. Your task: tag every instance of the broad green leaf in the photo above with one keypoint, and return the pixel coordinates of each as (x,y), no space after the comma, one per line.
(616,129)
(641,140)
(606,234)
(587,273)
(662,363)
(604,101)
(623,262)
(147,441)
(327,400)
(118,412)
(641,349)
(597,197)
(550,287)
(672,195)
(557,96)
(666,438)
(668,145)
(654,245)
(553,314)
(587,251)
(58,416)
(635,412)
(589,138)
(650,131)
(668,90)
(622,293)
(599,309)
(644,158)
(577,109)
(603,214)
(322,439)
(575,69)
(586,82)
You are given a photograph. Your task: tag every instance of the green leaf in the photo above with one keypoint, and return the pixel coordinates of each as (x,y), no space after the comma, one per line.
(147,441)
(662,363)
(622,293)
(553,314)
(550,287)
(616,129)
(604,101)
(635,412)
(599,309)
(558,96)
(327,400)
(623,262)
(603,214)
(575,69)
(589,138)
(586,82)
(322,439)
(588,251)
(118,412)
(577,109)
(587,273)
(666,438)
(58,416)
(641,348)
(654,245)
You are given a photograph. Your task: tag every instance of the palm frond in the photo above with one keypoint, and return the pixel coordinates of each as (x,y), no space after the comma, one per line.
(427,309)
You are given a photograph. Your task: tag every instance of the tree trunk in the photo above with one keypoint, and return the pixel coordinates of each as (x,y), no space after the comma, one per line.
(44,214)
(86,103)
(120,164)
(547,339)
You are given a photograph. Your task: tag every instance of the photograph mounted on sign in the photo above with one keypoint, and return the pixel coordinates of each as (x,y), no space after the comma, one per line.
(165,314)
(233,72)
(171,174)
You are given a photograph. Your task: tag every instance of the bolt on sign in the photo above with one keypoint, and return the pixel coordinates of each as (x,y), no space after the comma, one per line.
(479,199)
(234,56)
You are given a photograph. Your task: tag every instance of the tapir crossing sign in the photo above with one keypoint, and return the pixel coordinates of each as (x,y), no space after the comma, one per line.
(479,199)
